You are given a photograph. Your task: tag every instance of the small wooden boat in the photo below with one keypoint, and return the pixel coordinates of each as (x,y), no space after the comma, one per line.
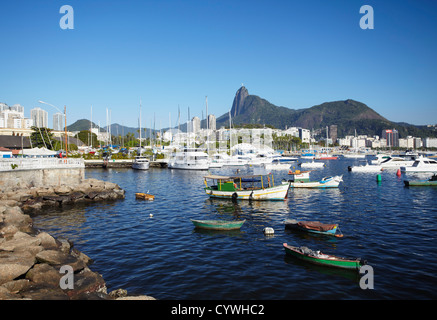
(144,196)
(314,227)
(430,182)
(218,224)
(320,258)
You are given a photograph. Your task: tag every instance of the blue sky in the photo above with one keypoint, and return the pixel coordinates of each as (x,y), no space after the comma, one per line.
(295,54)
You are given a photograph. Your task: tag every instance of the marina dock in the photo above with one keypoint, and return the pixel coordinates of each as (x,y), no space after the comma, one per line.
(123,163)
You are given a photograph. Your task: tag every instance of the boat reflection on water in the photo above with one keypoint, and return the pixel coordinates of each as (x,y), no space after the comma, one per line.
(351,275)
(227,233)
(245,208)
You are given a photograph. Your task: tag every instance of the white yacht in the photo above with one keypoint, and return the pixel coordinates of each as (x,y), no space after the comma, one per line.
(141,163)
(366,167)
(379,158)
(354,155)
(189,160)
(421,164)
(312,164)
(280,163)
(217,160)
(395,162)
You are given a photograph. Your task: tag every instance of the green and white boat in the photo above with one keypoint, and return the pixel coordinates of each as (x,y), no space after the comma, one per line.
(250,187)
(218,224)
(320,258)
(430,182)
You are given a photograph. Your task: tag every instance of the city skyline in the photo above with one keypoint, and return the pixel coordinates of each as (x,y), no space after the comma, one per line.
(171,55)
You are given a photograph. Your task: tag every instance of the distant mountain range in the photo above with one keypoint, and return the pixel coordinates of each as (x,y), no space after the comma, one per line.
(116,129)
(349,115)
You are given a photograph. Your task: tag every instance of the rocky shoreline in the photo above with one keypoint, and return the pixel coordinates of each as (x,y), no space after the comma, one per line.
(36,266)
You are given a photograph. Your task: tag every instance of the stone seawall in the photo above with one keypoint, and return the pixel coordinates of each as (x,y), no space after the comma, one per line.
(25,179)
(31,262)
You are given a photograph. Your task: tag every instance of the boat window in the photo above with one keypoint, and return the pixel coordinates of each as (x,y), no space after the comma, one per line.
(416,163)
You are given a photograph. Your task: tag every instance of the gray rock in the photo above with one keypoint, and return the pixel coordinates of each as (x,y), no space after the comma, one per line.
(86,282)
(13,265)
(44,274)
(47,241)
(52,257)
(16,286)
(20,241)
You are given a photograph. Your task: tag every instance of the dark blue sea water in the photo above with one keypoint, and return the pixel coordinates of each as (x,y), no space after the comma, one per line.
(391,226)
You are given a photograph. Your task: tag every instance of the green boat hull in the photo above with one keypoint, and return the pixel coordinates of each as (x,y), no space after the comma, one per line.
(420,183)
(218,224)
(337,262)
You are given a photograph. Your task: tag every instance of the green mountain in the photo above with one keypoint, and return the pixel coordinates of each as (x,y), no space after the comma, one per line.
(349,115)
(116,129)
(83,124)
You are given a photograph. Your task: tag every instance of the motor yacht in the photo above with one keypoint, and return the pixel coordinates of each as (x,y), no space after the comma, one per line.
(421,164)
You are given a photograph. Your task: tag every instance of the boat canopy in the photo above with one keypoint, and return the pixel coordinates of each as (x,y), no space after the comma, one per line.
(218,177)
(316,225)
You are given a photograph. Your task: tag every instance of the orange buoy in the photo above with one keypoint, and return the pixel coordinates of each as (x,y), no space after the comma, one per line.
(398,173)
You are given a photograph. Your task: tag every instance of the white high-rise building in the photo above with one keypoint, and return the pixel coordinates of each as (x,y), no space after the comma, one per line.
(195,124)
(58,121)
(39,117)
(211,122)
(18,108)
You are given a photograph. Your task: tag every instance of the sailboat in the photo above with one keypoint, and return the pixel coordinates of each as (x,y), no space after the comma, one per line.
(326,155)
(189,158)
(140,162)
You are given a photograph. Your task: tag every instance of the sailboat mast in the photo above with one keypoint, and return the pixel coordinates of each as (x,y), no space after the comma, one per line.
(91,128)
(207,126)
(140,126)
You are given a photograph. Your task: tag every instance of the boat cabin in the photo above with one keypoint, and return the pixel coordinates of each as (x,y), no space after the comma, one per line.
(235,183)
(300,176)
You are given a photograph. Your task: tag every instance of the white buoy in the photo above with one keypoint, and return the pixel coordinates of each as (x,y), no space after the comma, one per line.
(269,231)
(151,215)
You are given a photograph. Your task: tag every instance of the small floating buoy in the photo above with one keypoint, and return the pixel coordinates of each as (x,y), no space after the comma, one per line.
(269,231)
(151,215)
(398,173)
(378,178)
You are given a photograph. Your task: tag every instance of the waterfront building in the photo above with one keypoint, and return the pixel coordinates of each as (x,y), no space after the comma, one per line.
(195,125)
(39,117)
(430,142)
(304,135)
(58,121)
(392,137)
(333,133)
(212,122)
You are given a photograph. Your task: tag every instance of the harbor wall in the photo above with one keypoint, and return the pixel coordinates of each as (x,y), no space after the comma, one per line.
(24,179)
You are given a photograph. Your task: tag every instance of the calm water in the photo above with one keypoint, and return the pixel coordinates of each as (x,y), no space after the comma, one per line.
(393,227)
